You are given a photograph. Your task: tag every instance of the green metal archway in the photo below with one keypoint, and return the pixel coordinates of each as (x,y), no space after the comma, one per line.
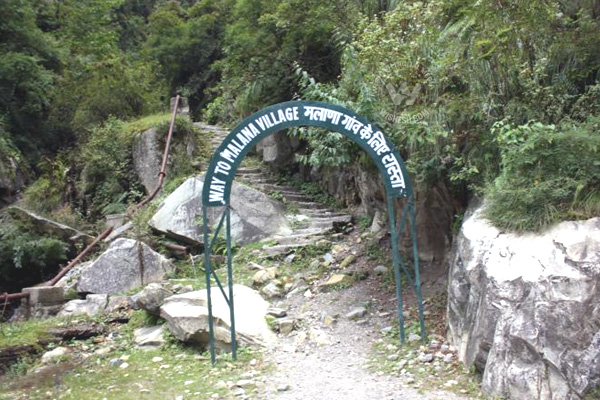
(227,158)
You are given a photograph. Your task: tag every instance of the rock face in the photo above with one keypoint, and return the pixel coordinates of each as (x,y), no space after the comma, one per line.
(254,215)
(125,265)
(187,317)
(278,149)
(147,158)
(525,309)
(12,178)
(44,226)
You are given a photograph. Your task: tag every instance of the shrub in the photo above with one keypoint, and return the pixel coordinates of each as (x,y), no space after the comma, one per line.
(548,174)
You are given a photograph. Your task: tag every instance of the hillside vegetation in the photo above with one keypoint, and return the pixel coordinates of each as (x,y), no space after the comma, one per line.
(496,98)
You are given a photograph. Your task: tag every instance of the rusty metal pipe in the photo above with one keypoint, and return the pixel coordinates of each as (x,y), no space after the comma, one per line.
(13,296)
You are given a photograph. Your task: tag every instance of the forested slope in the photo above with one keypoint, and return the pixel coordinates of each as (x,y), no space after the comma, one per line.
(496,98)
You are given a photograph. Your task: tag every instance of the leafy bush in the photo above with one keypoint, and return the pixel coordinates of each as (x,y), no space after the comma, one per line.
(548,174)
(27,259)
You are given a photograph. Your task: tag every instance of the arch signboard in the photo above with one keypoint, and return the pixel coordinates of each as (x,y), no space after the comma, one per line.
(228,156)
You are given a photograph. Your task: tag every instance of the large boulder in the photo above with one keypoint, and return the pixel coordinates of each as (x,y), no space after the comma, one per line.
(254,216)
(147,157)
(525,308)
(187,317)
(125,265)
(47,227)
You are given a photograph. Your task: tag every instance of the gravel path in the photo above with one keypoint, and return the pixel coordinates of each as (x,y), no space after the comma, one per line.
(330,361)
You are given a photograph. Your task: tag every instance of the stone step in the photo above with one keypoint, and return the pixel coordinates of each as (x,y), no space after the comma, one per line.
(325,215)
(297,197)
(249,171)
(287,248)
(311,205)
(269,187)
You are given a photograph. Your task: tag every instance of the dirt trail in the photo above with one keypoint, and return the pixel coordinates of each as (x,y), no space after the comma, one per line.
(331,362)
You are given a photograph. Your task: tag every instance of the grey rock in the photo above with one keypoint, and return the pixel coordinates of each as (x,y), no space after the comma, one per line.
(187,317)
(151,298)
(54,354)
(147,157)
(115,362)
(357,313)
(149,337)
(378,222)
(448,358)
(44,226)
(286,325)
(125,265)
(263,276)
(71,278)
(380,270)
(283,388)
(276,312)
(520,306)
(272,290)
(94,304)
(413,337)
(254,216)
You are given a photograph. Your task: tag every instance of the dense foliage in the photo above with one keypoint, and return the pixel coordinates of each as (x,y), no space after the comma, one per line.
(452,82)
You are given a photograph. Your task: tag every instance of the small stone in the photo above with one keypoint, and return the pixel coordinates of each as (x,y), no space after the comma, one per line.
(338,279)
(413,337)
(187,383)
(271,290)
(410,380)
(328,320)
(244,383)
(103,351)
(285,325)
(386,330)
(328,258)
(54,354)
(308,294)
(448,358)
(263,276)
(289,259)
(451,382)
(276,312)
(124,365)
(392,357)
(444,348)
(348,261)
(356,313)
(402,364)
(115,362)
(380,270)
(283,388)
(314,264)
(426,358)
(157,359)
(178,397)
(434,344)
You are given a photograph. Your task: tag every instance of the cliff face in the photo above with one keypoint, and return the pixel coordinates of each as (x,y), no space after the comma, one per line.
(13,176)
(524,308)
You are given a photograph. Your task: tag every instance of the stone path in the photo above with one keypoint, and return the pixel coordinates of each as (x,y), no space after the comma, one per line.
(310,220)
(329,361)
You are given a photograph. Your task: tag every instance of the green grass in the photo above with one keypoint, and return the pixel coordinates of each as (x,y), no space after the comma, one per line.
(30,332)
(147,122)
(182,372)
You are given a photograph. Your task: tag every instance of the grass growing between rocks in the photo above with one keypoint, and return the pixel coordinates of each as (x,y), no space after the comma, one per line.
(31,332)
(430,366)
(110,367)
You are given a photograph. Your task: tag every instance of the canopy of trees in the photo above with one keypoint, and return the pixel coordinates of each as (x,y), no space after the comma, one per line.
(500,98)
